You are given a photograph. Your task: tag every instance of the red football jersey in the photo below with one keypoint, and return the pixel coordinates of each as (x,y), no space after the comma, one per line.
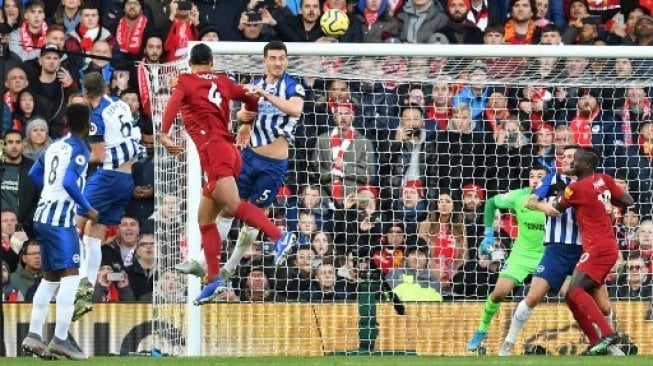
(204,102)
(591,198)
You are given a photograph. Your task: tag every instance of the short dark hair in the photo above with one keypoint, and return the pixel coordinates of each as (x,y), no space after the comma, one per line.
(88,6)
(201,54)
(94,84)
(572,146)
(410,106)
(77,116)
(551,27)
(495,28)
(274,45)
(538,167)
(34,3)
(12,131)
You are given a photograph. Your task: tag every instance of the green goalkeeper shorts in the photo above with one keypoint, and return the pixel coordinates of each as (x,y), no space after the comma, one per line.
(518,267)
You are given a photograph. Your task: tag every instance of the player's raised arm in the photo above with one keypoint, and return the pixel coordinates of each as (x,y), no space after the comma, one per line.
(169,115)
(292,106)
(36,172)
(620,198)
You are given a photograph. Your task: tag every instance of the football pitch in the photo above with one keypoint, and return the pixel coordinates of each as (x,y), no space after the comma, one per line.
(346,361)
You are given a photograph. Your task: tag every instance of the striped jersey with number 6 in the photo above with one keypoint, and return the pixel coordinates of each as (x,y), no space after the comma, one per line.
(112,122)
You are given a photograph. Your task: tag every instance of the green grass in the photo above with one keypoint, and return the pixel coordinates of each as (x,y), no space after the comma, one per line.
(344,361)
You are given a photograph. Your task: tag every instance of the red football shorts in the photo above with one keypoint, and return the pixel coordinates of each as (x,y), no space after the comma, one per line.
(597,262)
(219,159)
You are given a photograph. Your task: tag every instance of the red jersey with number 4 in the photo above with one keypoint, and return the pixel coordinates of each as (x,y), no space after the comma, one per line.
(591,198)
(204,102)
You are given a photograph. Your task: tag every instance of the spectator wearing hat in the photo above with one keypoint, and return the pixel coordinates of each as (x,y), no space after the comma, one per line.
(131,31)
(376,20)
(54,35)
(343,158)
(420,19)
(402,158)
(413,281)
(209,33)
(53,86)
(459,29)
(26,41)
(36,137)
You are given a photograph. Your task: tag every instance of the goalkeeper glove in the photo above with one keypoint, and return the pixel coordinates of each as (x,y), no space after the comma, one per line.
(488,241)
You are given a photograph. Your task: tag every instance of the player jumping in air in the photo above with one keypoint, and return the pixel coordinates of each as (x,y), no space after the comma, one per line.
(562,250)
(203,97)
(114,141)
(526,251)
(593,197)
(265,160)
(61,172)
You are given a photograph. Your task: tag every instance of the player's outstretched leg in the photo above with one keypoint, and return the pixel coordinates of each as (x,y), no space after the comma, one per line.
(246,238)
(33,344)
(502,288)
(60,343)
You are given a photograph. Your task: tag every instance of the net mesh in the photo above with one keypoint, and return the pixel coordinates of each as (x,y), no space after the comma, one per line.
(396,184)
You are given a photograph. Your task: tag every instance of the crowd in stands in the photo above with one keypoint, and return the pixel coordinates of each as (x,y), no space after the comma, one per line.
(386,178)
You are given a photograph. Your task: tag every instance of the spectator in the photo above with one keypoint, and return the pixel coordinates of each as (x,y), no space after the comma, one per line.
(626,230)
(476,93)
(420,19)
(251,27)
(444,231)
(625,34)
(343,158)
(257,287)
(53,86)
(495,113)
(635,283)
(414,281)
(29,272)
(148,72)
(486,12)
(544,151)
(512,154)
(87,33)
(373,14)
(644,237)
(67,14)
(12,240)
(551,34)
(541,12)
(18,191)
(322,246)
(36,138)
(142,269)
(15,82)
(306,227)
(27,40)
(459,153)
(13,12)
(403,158)
(25,109)
(437,112)
(310,199)
(349,271)
(55,35)
(473,215)
(562,138)
(477,277)
(122,249)
(411,206)
(132,29)
(303,27)
(326,286)
(389,253)
(293,282)
(520,27)
(10,293)
(534,106)
(182,28)
(171,287)
(459,29)
(112,284)
(358,223)
(224,15)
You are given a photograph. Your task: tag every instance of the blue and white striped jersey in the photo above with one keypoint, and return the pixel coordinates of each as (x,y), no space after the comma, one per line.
(562,229)
(112,122)
(271,122)
(61,172)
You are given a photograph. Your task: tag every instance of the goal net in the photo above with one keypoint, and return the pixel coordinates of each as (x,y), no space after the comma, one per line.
(398,200)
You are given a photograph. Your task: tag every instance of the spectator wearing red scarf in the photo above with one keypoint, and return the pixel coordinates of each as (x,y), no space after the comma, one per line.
(132,30)
(181,29)
(375,20)
(459,29)
(521,28)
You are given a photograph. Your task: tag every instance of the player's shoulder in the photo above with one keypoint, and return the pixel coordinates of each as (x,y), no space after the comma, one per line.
(294,85)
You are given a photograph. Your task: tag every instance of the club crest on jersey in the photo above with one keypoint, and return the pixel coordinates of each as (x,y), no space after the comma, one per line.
(76,258)
(568,193)
(92,129)
(300,90)
(80,160)
(540,268)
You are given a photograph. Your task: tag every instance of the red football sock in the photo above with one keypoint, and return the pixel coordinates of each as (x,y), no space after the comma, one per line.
(212,248)
(253,216)
(587,305)
(584,323)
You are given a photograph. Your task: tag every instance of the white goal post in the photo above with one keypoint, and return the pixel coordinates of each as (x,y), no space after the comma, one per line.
(243,328)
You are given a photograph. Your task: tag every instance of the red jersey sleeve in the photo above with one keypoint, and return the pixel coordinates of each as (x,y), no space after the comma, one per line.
(615,191)
(172,108)
(238,92)
(570,195)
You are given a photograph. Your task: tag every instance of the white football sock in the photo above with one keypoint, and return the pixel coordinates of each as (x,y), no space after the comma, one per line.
(65,305)
(42,297)
(224,226)
(246,237)
(82,259)
(608,318)
(93,257)
(519,319)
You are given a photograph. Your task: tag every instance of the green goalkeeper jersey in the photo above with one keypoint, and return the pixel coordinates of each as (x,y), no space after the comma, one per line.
(531,223)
